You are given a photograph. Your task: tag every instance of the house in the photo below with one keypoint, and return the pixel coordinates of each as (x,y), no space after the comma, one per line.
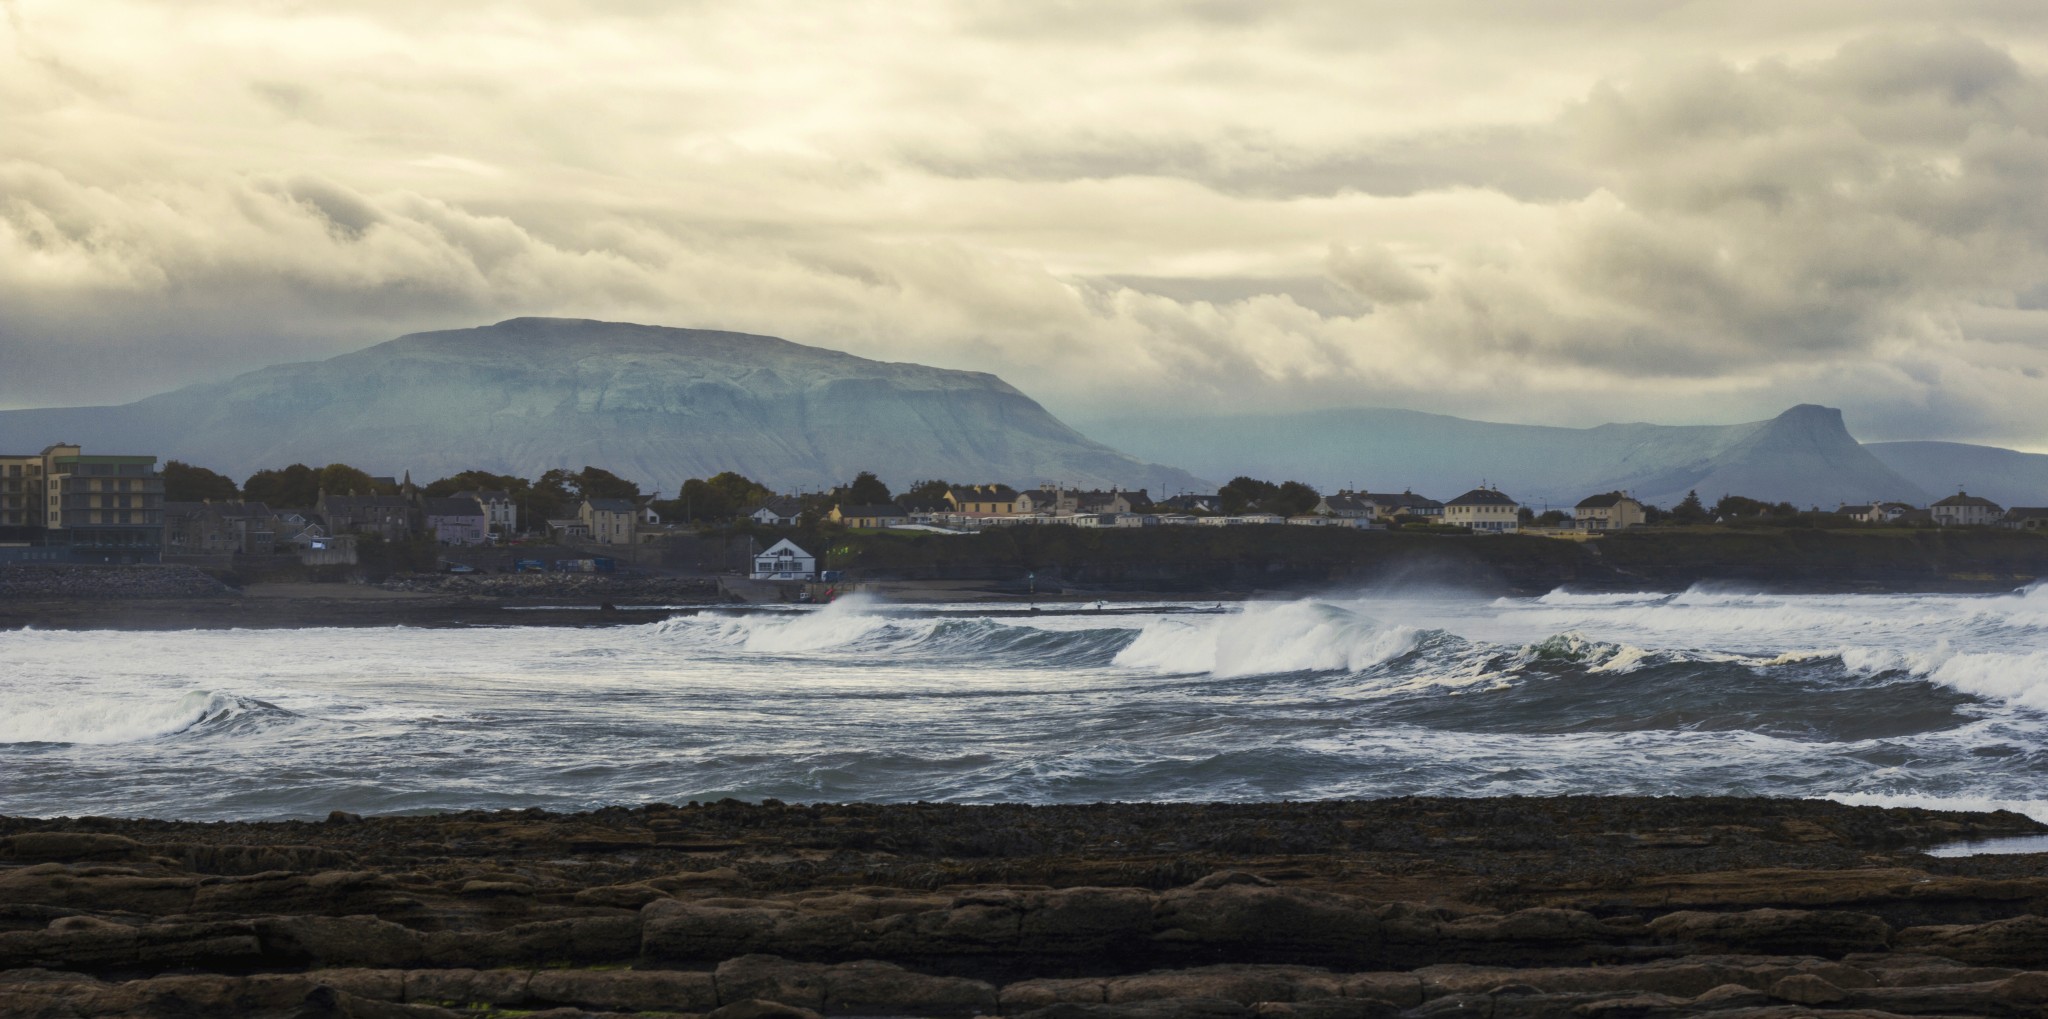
(1865,513)
(778,511)
(501,513)
(883,515)
(1965,510)
(982,500)
(1405,504)
(785,561)
(1485,511)
(2026,518)
(611,521)
(1112,501)
(457,520)
(569,527)
(391,517)
(1608,511)
(1185,503)
(1046,500)
(202,528)
(1346,506)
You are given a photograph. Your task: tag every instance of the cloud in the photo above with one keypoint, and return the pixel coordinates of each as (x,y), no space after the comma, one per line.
(1463,208)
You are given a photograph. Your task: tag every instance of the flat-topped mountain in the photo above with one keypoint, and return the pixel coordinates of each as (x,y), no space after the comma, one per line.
(1805,455)
(654,404)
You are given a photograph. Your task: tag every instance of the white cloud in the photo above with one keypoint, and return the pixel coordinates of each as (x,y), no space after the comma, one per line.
(1539,212)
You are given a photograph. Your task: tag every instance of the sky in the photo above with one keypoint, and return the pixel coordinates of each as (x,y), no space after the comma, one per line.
(1550,212)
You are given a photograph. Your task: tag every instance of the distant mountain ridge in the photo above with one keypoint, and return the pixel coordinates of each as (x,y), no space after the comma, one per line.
(657,405)
(1805,455)
(2004,476)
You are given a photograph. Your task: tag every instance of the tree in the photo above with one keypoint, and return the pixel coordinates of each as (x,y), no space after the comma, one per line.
(1293,499)
(1689,510)
(598,483)
(341,479)
(186,483)
(297,486)
(1243,493)
(924,495)
(477,481)
(1549,518)
(739,490)
(866,490)
(1732,506)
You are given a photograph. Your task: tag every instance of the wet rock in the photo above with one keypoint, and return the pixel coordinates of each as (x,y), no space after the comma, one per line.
(101,889)
(67,847)
(1831,933)
(1167,1008)
(92,945)
(1239,983)
(1253,922)
(625,990)
(771,978)
(1529,936)
(1807,989)
(341,941)
(628,896)
(871,986)
(754,1008)
(462,988)
(683,931)
(2014,942)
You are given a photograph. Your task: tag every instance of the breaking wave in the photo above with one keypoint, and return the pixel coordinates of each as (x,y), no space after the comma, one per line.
(1267,638)
(96,721)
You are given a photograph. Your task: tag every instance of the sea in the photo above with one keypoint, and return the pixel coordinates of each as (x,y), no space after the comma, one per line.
(1923,700)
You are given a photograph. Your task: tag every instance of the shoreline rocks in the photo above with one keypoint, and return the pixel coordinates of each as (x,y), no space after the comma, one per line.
(1411,907)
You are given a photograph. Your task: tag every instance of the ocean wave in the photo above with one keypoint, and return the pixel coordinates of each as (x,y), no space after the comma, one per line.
(1268,638)
(101,722)
(859,626)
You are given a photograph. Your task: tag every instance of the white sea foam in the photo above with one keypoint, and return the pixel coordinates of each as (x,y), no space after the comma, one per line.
(96,720)
(1268,638)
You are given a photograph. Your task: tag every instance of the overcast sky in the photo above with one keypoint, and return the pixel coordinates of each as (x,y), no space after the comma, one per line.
(1558,212)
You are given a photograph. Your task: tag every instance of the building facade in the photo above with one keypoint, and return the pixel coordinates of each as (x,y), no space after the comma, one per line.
(1609,511)
(457,520)
(611,521)
(1965,510)
(785,561)
(1485,511)
(102,508)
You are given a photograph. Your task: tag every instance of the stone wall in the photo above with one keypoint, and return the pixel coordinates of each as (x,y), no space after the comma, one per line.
(89,581)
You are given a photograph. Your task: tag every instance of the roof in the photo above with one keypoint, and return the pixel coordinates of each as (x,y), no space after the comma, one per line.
(780,505)
(1345,500)
(1401,500)
(1966,499)
(1853,510)
(613,505)
(775,550)
(452,506)
(887,509)
(1604,500)
(2026,512)
(1483,497)
(982,493)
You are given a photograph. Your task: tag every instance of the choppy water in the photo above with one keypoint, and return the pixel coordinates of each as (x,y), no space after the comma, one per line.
(1925,700)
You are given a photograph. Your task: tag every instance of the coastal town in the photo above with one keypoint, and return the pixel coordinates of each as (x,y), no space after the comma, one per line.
(67,505)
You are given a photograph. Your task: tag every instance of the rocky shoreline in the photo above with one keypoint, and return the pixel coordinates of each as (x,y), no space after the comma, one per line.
(1498,908)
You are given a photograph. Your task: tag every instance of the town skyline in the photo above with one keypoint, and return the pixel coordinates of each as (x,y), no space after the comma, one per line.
(1550,214)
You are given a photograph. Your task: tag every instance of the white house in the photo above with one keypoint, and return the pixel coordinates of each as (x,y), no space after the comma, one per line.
(1965,510)
(778,511)
(1485,511)
(785,561)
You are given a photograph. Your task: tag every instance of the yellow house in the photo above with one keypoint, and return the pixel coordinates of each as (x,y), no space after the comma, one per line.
(868,516)
(982,500)
(1609,511)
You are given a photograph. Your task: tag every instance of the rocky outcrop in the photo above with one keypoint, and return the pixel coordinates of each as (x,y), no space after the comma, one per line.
(1414,908)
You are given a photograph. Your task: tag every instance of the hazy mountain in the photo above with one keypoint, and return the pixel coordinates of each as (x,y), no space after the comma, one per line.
(652,404)
(2004,476)
(1804,455)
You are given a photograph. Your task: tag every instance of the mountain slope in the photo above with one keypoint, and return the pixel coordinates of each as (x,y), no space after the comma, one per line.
(1804,455)
(2004,476)
(653,404)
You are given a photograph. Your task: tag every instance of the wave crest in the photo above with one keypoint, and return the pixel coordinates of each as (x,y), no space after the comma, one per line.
(1268,638)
